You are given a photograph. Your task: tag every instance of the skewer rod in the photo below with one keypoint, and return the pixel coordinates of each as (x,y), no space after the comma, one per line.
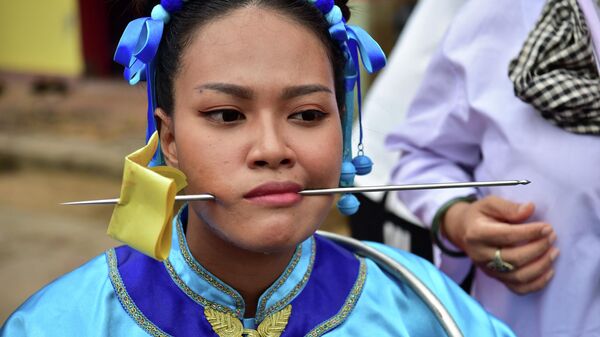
(325,191)
(116,201)
(413,187)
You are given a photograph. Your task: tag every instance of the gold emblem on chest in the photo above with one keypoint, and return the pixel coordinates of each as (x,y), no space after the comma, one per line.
(227,325)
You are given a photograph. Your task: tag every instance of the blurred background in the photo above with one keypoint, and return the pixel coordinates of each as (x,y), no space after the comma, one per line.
(67,119)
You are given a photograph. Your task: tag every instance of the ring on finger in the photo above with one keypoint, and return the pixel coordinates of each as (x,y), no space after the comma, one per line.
(499,265)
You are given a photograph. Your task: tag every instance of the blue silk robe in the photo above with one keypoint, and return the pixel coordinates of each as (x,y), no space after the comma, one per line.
(332,292)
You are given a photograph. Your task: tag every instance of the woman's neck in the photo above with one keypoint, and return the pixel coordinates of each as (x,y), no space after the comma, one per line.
(250,273)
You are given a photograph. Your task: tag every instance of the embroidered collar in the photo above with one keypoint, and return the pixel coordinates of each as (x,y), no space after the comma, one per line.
(207,290)
(141,283)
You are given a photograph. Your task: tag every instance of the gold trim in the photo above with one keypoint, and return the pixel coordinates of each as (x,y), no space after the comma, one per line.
(285,300)
(286,274)
(134,312)
(347,307)
(261,312)
(193,295)
(200,271)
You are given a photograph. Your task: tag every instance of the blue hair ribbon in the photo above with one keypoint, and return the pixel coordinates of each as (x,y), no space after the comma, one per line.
(360,48)
(136,51)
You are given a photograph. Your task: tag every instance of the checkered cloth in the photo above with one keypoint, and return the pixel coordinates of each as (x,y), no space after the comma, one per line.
(556,70)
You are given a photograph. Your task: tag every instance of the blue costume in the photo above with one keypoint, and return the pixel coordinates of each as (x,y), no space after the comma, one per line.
(332,292)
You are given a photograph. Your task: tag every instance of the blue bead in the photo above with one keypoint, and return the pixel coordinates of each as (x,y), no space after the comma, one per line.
(324,5)
(348,173)
(159,13)
(172,6)
(348,204)
(334,16)
(363,165)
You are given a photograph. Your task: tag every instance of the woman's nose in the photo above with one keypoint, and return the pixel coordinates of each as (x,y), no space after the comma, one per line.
(270,148)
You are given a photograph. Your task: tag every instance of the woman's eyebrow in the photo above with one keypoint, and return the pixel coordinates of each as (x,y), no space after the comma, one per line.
(301,90)
(227,88)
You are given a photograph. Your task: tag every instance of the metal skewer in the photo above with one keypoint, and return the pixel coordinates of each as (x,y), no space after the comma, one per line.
(194,197)
(325,191)
(413,187)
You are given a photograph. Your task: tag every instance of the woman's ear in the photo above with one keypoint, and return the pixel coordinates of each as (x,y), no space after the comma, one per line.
(167,137)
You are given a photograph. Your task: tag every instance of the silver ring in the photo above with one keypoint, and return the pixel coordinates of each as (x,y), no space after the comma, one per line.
(499,265)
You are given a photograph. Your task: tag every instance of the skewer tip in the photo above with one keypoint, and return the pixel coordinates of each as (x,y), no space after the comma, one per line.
(73,203)
(524,182)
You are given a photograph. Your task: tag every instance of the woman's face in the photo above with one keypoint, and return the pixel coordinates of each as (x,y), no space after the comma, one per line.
(256,121)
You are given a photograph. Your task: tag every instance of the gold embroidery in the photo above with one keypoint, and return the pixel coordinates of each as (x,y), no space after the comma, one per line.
(225,325)
(228,325)
(126,301)
(200,271)
(274,324)
(286,274)
(261,312)
(186,289)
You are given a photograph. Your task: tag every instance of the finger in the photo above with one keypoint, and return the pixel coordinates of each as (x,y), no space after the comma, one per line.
(536,285)
(506,210)
(530,272)
(522,255)
(497,234)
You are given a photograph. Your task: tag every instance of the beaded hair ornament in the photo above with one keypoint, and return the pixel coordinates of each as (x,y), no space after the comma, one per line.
(140,41)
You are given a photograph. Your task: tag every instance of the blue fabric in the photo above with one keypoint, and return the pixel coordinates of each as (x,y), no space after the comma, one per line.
(321,299)
(84,303)
(187,271)
(405,313)
(294,279)
(172,5)
(158,298)
(80,303)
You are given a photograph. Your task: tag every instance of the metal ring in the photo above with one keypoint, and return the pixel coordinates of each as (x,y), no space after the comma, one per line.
(499,265)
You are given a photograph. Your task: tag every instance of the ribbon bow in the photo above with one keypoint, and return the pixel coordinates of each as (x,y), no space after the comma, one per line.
(359,47)
(142,218)
(135,51)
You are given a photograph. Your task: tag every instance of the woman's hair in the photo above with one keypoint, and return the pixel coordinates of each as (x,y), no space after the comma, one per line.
(195,14)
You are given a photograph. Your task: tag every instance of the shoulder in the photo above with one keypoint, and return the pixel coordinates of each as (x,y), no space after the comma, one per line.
(423,269)
(468,314)
(486,27)
(73,286)
(65,305)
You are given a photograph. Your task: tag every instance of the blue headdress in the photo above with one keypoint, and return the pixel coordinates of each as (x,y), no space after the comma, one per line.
(139,44)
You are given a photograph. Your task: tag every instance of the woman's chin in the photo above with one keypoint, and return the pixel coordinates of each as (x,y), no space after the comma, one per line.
(272,238)
(263,230)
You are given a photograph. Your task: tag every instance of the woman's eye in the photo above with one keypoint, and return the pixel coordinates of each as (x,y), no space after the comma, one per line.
(224,116)
(308,115)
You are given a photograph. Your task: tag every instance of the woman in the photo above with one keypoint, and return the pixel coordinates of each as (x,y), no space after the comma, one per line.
(249,99)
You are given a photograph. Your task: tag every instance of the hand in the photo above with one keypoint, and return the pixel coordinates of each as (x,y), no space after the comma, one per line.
(494,223)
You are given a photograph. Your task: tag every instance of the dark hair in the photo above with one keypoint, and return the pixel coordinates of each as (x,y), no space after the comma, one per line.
(195,14)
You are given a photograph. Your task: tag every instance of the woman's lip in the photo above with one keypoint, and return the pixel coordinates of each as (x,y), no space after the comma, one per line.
(278,194)
(273,188)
